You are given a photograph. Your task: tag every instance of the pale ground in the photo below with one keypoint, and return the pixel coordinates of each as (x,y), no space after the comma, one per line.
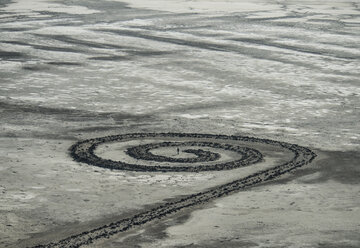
(283,70)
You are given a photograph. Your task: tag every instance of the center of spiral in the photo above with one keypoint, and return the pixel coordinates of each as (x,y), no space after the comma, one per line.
(143,152)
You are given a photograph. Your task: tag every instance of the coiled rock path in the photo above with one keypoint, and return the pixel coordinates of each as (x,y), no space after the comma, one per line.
(199,152)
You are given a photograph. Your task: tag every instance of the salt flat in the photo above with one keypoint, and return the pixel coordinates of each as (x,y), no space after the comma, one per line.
(279,70)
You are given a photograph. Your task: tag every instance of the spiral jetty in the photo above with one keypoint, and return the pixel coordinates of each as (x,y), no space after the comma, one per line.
(83,151)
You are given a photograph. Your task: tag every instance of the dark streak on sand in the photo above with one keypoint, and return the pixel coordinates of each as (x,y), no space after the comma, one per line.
(60,63)
(258,53)
(254,52)
(63,114)
(82,151)
(11,55)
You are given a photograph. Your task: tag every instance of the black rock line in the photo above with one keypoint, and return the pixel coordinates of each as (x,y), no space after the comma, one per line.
(83,152)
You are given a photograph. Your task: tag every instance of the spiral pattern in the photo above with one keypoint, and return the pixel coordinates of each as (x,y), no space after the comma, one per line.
(84,152)
(205,152)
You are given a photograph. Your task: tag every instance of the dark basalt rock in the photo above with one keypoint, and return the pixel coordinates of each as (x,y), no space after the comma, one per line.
(84,152)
